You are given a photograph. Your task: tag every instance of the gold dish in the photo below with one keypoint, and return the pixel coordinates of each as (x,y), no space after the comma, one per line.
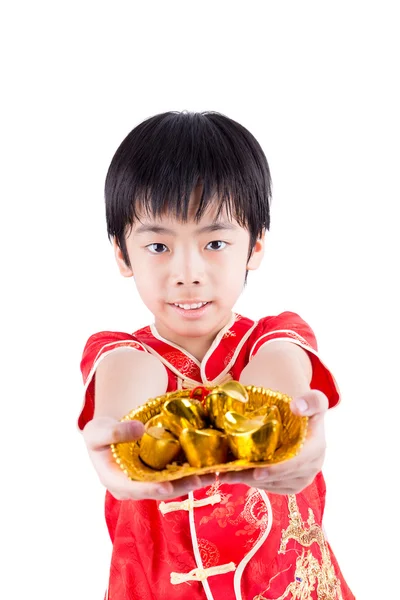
(259,425)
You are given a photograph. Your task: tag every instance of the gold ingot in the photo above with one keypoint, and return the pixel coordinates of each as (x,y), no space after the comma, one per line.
(235,390)
(274,414)
(204,447)
(183,413)
(251,439)
(230,396)
(158,447)
(271,412)
(156,421)
(268,413)
(236,423)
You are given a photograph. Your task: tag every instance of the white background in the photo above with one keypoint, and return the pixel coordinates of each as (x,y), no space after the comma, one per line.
(317,84)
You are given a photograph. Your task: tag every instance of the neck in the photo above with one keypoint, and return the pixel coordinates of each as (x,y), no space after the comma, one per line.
(196,346)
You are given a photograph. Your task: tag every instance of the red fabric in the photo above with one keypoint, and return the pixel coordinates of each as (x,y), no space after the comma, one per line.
(148,546)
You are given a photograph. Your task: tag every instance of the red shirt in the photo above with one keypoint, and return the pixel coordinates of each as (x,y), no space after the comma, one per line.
(225,541)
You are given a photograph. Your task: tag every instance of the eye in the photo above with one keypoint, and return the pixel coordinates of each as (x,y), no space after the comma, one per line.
(157,248)
(216,245)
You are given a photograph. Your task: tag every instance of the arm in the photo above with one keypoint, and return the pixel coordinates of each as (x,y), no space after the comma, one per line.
(125,379)
(285,367)
(279,366)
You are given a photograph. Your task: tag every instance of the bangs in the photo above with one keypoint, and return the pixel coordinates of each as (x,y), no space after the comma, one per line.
(161,162)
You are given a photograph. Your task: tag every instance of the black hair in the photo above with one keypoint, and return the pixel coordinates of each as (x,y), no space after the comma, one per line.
(162,160)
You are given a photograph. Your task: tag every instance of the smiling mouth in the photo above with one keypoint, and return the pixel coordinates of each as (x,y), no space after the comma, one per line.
(192,306)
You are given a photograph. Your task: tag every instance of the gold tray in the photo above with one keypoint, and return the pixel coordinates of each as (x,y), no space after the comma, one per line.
(294,431)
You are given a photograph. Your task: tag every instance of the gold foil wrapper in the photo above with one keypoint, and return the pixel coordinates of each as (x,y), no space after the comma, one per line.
(251,427)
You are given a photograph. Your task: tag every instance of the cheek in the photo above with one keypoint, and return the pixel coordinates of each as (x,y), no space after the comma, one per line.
(232,263)
(230,275)
(148,270)
(147,284)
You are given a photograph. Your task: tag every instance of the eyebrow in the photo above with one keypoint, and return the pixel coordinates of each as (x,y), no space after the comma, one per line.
(222,226)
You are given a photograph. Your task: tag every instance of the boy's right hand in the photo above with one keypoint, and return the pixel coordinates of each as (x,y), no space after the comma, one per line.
(99,433)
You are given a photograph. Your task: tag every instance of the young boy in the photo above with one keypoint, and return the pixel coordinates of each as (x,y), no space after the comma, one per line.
(187,205)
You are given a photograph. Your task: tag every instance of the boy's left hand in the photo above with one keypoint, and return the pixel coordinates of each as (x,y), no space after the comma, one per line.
(292,476)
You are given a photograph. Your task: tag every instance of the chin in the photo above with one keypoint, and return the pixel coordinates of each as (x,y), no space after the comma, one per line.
(205,329)
(194,330)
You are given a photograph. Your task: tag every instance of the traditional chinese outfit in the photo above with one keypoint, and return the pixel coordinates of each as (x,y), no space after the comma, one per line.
(227,542)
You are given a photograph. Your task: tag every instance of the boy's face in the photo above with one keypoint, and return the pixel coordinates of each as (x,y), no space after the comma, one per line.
(189,275)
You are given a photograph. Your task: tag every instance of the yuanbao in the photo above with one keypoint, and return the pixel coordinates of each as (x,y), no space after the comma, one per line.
(206,430)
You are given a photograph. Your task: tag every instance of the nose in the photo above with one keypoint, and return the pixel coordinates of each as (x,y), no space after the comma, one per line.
(187,268)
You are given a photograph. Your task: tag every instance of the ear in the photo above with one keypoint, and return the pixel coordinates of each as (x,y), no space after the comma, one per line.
(124,269)
(257,254)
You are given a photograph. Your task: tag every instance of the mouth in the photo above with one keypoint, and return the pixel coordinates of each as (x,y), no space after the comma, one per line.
(190,306)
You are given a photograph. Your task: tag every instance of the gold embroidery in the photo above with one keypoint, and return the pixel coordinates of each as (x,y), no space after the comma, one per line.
(310,574)
(228,357)
(297,337)
(228,334)
(215,488)
(250,522)
(255,517)
(209,553)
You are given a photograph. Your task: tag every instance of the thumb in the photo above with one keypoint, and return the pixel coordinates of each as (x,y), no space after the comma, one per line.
(100,432)
(312,402)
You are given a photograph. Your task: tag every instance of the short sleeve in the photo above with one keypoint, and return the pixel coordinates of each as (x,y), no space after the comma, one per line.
(96,349)
(291,327)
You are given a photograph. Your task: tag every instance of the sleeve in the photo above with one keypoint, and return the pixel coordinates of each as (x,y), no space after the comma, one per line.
(291,327)
(98,347)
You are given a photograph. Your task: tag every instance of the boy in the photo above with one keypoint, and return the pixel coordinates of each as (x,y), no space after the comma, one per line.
(187,206)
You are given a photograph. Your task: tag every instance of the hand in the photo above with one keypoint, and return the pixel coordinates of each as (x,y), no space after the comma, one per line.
(295,474)
(99,433)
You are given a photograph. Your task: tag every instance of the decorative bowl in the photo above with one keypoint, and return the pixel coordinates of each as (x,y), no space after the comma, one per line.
(259,406)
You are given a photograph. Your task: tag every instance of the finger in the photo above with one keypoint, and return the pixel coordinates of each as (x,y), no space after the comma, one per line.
(120,485)
(312,402)
(294,486)
(189,484)
(139,490)
(310,457)
(100,432)
(116,481)
(277,485)
(124,489)
(305,470)
(270,475)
